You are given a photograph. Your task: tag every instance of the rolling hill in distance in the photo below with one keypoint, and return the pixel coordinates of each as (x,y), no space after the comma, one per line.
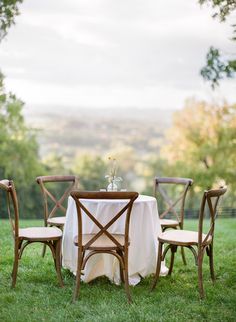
(69,131)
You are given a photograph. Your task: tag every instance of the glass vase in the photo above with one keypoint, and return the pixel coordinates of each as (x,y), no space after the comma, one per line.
(112,186)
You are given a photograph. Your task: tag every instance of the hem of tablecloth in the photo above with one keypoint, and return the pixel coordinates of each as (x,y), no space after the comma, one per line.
(133,279)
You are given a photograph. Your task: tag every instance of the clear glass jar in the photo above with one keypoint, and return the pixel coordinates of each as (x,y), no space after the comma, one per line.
(112,186)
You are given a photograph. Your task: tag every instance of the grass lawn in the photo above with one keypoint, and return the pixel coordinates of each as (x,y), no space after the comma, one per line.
(37,296)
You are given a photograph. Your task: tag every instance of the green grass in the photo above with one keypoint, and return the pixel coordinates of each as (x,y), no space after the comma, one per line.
(37,296)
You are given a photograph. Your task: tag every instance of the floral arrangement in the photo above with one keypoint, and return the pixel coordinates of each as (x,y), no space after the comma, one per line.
(112,178)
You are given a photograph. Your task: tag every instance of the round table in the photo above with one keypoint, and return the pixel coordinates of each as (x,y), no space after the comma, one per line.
(144,230)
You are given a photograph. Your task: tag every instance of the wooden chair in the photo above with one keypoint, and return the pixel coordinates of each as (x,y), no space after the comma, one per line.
(162,188)
(50,237)
(52,205)
(103,241)
(197,242)
(50,218)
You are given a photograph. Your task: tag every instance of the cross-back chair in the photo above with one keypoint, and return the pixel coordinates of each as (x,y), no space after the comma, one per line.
(197,241)
(49,236)
(103,241)
(173,205)
(53,204)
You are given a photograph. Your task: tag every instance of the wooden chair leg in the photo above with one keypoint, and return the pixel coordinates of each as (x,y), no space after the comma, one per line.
(158,267)
(44,245)
(15,268)
(78,276)
(121,268)
(200,277)
(126,277)
(43,250)
(58,261)
(183,255)
(173,251)
(211,262)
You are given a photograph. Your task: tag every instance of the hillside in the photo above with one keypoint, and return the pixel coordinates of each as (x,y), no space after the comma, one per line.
(99,130)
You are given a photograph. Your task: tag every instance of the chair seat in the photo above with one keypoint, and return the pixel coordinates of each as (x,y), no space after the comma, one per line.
(181,237)
(169,223)
(40,233)
(103,242)
(57,221)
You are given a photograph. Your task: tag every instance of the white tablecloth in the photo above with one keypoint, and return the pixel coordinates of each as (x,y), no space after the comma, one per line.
(144,229)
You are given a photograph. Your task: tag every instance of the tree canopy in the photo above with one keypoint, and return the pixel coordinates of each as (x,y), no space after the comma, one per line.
(8,10)
(201,144)
(223,7)
(18,147)
(217,66)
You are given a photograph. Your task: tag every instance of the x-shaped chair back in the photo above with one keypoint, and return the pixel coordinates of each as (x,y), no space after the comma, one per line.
(49,196)
(171,204)
(103,229)
(210,201)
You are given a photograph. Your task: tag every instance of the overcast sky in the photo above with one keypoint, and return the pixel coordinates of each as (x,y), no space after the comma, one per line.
(112,53)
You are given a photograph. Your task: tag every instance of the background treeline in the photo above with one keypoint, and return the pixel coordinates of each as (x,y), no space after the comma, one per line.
(199,143)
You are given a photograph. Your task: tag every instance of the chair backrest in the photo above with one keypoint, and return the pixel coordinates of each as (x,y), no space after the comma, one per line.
(52,203)
(12,205)
(210,202)
(103,229)
(182,185)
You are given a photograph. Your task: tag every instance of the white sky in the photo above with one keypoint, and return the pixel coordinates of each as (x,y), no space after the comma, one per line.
(112,53)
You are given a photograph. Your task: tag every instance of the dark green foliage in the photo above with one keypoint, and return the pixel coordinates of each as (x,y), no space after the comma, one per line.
(8,11)
(217,68)
(18,152)
(223,7)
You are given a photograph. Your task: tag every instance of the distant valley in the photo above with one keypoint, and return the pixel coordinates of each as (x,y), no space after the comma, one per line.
(99,130)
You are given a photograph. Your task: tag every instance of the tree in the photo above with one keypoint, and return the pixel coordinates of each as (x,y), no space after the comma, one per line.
(223,7)
(18,148)
(8,10)
(150,167)
(201,144)
(218,67)
(18,145)
(91,170)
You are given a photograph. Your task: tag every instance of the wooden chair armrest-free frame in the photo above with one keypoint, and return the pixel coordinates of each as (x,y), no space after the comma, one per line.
(173,204)
(49,236)
(53,204)
(103,241)
(197,242)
